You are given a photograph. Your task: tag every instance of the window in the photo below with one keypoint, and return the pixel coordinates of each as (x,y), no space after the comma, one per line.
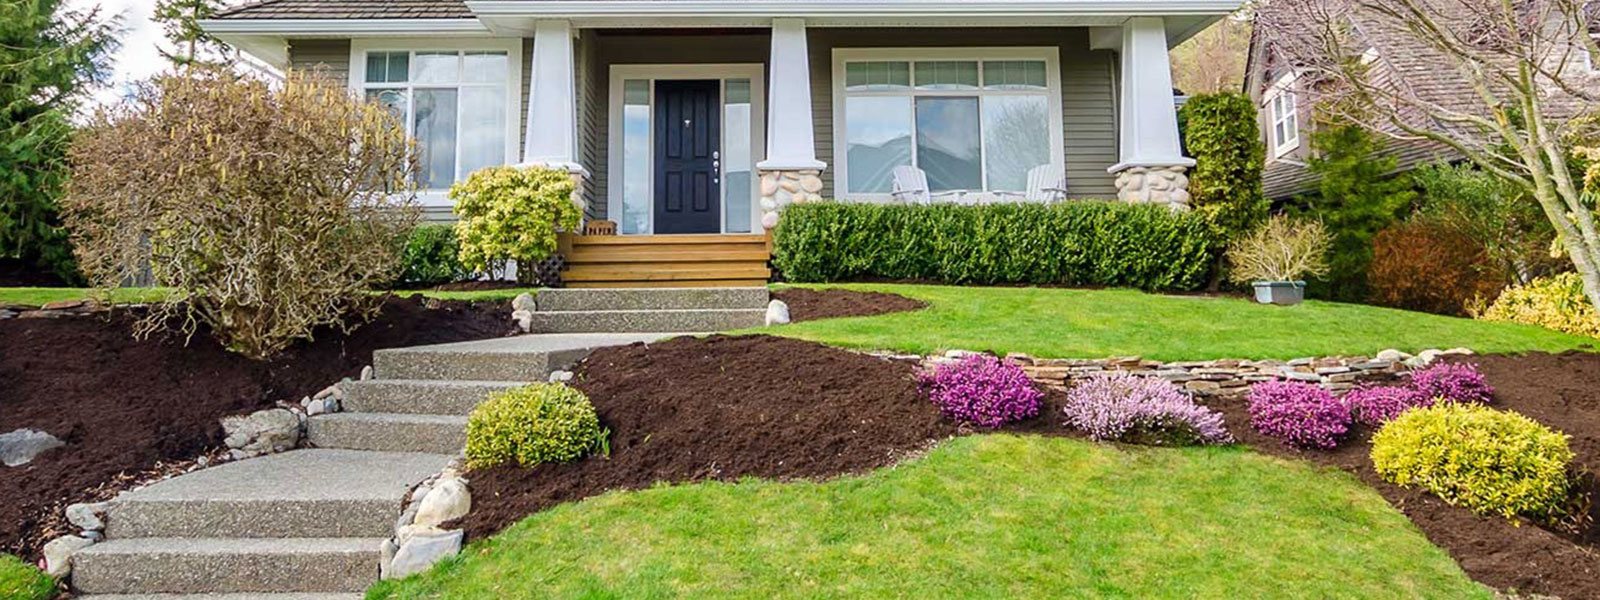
(1285,122)
(454,103)
(969,121)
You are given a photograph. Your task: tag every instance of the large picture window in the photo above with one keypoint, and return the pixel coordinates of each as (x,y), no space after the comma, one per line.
(972,123)
(455,103)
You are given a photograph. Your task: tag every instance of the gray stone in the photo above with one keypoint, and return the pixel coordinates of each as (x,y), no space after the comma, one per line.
(87,516)
(1392,355)
(58,554)
(366,373)
(226,565)
(421,549)
(524,320)
(777,313)
(21,446)
(316,407)
(523,302)
(574,299)
(1299,376)
(386,552)
(1332,370)
(447,501)
(263,432)
(560,376)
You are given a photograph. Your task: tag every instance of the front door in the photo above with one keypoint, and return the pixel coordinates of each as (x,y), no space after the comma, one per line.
(688,182)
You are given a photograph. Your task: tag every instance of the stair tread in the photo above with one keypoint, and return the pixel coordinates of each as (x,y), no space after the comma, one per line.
(233,546)
(300,475)
(229,596)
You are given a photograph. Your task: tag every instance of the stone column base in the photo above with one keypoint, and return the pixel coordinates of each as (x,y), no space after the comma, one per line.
(1155,185)
(781,188)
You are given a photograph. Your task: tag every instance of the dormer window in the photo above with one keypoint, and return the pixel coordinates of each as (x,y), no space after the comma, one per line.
(1285,113)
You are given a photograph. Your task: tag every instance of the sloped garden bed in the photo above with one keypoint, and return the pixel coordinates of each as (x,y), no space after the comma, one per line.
(128,407)
(806,304)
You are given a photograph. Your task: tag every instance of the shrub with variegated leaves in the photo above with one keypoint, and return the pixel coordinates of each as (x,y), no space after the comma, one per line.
(982,390)
(1141,410)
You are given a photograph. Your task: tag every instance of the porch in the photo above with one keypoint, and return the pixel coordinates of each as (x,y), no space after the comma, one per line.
(666,261)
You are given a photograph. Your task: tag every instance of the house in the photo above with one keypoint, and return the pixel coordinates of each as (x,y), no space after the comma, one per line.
(1393,58)
(709,117)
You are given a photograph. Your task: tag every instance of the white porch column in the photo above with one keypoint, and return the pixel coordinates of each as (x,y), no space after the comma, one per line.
(1153,165)
(791,173)
(552,125)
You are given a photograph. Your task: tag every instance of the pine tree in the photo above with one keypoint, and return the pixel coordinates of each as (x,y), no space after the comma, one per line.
(194,46)
(1359,195)
(49,57)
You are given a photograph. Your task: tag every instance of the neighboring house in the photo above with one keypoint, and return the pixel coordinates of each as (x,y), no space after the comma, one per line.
(709,116)
(1395,59)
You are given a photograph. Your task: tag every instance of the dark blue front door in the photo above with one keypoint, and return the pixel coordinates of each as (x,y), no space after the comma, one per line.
(687,152)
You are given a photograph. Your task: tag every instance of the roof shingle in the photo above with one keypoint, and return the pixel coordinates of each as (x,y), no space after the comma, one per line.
(349,9)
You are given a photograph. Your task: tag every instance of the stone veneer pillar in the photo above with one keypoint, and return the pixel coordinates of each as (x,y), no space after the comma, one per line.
(1152,169)
(791,174)
(780,189)
(1155,185)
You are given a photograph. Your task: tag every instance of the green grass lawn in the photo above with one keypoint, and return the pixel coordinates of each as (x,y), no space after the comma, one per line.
(21,581)
(992,516)
(1067,323)
(39,296)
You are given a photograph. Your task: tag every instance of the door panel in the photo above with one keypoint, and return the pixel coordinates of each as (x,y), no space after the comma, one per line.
(688,138)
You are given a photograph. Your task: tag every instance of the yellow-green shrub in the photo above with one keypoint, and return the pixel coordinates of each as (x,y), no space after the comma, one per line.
(539,423)
(1555,302)
(1490,461)
(512,213)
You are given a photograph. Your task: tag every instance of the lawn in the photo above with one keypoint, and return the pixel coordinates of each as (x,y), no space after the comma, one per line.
(1070,323)
(38,296)
(993,516)
(21,581)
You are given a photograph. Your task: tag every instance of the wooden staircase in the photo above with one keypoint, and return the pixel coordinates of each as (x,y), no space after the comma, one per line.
(636,261)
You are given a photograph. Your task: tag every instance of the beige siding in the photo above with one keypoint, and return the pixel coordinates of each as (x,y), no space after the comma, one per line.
(331,56)
(1088,90)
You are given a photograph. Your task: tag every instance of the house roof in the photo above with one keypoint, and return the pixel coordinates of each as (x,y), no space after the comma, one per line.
(349,9)
(1283,178)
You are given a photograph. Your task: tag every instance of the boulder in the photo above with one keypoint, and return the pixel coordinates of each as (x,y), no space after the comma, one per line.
(447,501)
(524,319)
(21,446)
(263,432)
(421,550)
(777,313)
(58,554)
(1392,355)
(523,302)
(87,516)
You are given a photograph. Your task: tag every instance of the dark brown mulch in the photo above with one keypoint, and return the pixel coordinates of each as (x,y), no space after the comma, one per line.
(1561,391)
(809,305)
(472,286)
(722,408)
(125,405)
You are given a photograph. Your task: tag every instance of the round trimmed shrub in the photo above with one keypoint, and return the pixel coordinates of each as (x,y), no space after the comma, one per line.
(1142,410)
(531,425)
(1300,414)
(430,257)
(982,390)
(1493,462)
(1459,382)
(1556,302)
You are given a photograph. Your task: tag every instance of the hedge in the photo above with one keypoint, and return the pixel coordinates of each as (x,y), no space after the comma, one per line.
(1081,243)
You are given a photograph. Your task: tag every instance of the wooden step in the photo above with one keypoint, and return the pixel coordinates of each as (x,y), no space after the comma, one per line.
(675,283)
(658,254)
(624,240)
(665,272)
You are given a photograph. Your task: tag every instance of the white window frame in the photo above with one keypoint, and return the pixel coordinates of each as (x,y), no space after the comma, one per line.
(360,47)
(1281,93)
(621,74)
(1049,54)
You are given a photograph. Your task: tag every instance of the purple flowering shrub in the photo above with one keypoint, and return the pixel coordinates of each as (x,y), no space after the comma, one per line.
(982,390)
(1376,405)
(1300,414)
(1459,382)
(1142,410)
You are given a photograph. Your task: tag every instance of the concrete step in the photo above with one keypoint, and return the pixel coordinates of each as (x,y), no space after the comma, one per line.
(518,358)
(226,565)
(686,321)
(249,596)
(651,299)
(389,432)
(420,397)
(313,493)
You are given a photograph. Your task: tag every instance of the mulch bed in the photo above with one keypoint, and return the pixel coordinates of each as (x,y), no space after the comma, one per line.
(128,408)
(471,286)
(809,305)
(1560,391)
(728,407)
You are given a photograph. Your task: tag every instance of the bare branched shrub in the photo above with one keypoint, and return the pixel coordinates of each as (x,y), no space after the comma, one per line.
(1282,249)
(269,210)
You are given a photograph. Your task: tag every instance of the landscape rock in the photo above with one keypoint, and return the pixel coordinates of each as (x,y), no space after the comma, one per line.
(263,432)
(560,376)
(524,319)
(316,407)
(1392,355)
(366,373)
(87,516)
(522,303)
(777,313)
(422,549)
(21,446)
(58,554)
(386,551)
(447,501)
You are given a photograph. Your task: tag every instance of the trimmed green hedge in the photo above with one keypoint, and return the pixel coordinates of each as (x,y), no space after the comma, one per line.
(1079,243)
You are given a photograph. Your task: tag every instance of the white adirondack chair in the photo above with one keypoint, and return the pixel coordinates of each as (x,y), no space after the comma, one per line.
(1047,184)
(911,185)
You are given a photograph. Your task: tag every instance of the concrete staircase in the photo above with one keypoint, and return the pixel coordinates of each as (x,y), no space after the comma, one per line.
(649,309)
(307,524)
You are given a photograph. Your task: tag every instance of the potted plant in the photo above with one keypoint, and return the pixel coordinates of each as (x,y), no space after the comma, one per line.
(1276,257)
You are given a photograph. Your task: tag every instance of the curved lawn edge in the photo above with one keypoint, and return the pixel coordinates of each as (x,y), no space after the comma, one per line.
(987,516)
(1078,323)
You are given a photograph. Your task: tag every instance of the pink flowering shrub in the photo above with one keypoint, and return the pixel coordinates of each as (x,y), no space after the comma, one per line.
(1376,405)
(1459,382)
(982,390)
(1300,414)
(1142,410)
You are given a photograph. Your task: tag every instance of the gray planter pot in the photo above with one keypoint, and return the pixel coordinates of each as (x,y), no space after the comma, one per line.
(1281,293)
